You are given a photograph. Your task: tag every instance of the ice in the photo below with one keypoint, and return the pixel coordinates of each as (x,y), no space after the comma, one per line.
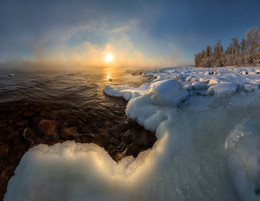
(250,87)
(199,86)
(207,147)
(126,92)
(243,146)
(243,100)
(222,90)
(213,81)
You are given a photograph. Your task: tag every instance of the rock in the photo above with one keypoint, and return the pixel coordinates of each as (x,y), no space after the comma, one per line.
(26,104)
(133,150)
(3,124)
(43,113)
(244,72)
(48,127)
(4,150)
(118,156)
(111,149)
(15,114)
(22,123)
(48,108)
(28,114)
(10,75)
(12,135)
(36,119)
(115,141)
(68,133)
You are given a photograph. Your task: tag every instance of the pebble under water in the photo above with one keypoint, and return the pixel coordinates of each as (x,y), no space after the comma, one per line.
(52,107)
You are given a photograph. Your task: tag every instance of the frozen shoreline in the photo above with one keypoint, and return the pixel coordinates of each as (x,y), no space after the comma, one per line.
(207,126)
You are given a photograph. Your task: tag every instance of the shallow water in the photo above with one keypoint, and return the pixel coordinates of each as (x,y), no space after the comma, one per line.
(75,100)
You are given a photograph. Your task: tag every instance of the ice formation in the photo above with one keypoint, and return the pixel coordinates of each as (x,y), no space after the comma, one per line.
(213,154)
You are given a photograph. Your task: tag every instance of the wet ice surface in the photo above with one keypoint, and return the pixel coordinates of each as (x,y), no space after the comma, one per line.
(207,147)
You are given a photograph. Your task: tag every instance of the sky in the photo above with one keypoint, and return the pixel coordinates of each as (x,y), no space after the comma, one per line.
(137,32)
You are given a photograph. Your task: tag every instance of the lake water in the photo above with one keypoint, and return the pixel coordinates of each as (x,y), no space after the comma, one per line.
(76,102)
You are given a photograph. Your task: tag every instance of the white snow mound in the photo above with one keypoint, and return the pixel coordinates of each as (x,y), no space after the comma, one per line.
(167,92)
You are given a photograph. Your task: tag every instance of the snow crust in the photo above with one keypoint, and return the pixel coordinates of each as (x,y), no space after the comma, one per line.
(213,154)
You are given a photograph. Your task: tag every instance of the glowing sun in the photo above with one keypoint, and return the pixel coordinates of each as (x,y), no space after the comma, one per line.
(109,57)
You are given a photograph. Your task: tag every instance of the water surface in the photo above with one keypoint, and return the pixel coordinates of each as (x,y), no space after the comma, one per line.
(76,102)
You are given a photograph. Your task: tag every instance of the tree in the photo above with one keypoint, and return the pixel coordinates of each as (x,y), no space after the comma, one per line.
(244,47)
(247,52)
(208,51)
(198,59)
(235,46)
(244,52)
(235,51)
(253,43)
(218,54)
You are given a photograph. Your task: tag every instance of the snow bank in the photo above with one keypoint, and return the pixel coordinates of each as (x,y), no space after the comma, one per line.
(196,155)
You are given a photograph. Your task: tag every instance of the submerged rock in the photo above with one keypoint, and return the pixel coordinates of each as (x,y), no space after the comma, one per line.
(28,114)
(68,133)
(22,123)
(48,127)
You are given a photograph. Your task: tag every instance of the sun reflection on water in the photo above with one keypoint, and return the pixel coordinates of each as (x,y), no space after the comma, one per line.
(109,78)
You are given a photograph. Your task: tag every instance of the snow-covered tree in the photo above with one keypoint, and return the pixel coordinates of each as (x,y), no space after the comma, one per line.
(252,38)
(247,52)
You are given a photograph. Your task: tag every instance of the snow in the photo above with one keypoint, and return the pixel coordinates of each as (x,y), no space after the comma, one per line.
(244,156)
(208,145)
(199,85)
(160,92)
(124,91)
(250,87)
(167,92)
(222,90)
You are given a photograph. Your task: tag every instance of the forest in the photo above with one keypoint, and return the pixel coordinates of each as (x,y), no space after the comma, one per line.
(243,53)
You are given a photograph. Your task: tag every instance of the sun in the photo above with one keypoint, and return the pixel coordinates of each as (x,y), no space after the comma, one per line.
(109,57)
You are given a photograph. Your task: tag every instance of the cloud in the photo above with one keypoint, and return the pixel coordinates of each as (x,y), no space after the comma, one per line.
(131,46)
(81,32)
